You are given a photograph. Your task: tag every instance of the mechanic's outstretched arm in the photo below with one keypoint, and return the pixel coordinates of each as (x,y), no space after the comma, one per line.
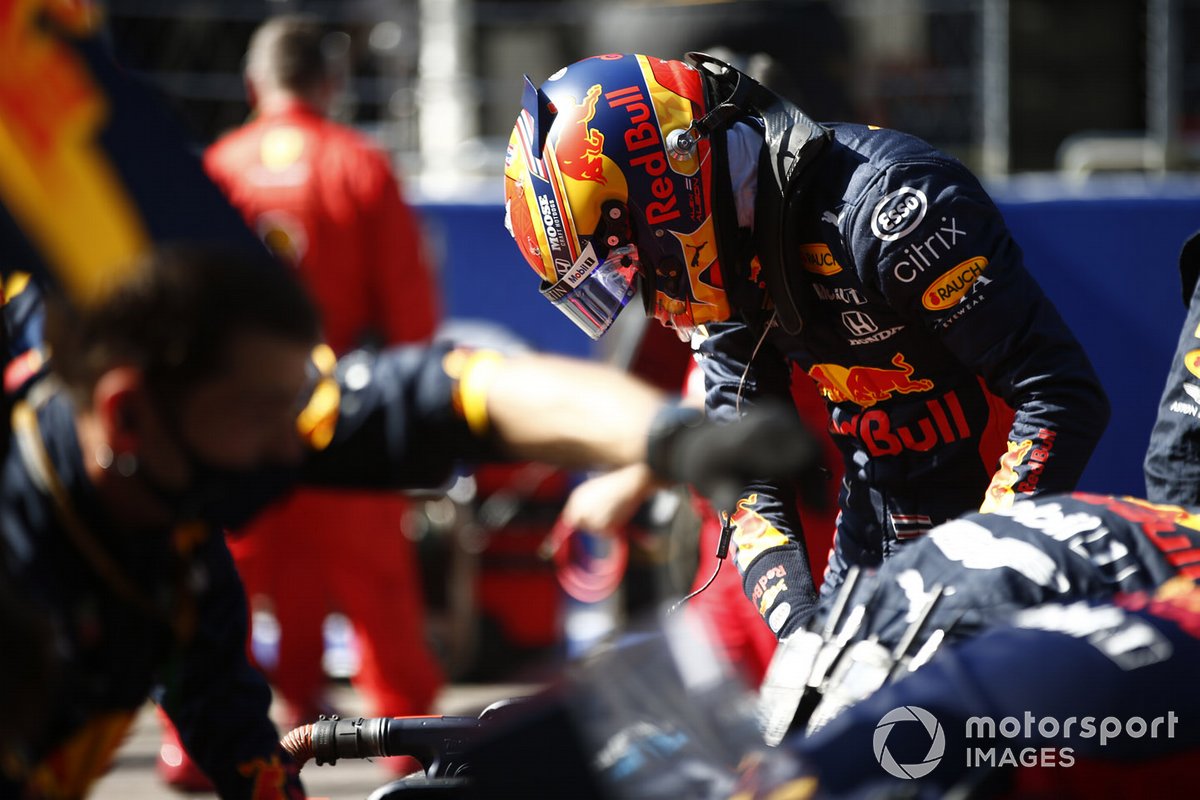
(568,411)
(581,413)
(405,417)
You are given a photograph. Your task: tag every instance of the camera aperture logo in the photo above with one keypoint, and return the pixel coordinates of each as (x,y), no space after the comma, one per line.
(1015,741)
(932,728)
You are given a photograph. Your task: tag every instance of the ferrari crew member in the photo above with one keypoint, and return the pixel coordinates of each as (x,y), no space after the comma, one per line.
(326,201)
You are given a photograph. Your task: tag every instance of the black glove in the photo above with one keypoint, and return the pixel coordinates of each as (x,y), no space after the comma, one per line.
(769,442)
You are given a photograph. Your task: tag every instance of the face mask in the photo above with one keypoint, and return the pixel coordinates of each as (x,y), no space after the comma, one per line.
(222,496)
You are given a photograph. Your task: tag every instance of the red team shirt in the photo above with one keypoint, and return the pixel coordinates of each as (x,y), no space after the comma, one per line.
(326,200)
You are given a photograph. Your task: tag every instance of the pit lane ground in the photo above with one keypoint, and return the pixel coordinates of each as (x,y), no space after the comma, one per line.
(133,776)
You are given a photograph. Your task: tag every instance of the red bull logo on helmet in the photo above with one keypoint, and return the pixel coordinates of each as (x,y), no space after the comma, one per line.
(645,134)
(580,148)
(593,135)
(865,385)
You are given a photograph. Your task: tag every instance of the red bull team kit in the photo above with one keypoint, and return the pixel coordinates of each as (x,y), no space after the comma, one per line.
(881,269)
(164,611)
(1063,563)
(1172,462)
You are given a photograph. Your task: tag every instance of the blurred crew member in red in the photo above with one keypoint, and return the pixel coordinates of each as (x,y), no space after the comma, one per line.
(325,199)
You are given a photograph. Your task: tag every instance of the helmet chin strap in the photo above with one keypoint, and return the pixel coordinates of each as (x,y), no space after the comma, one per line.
(681,144)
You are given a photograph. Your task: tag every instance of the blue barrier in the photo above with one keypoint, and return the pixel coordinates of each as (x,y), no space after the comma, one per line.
(484,277)
(1108,260)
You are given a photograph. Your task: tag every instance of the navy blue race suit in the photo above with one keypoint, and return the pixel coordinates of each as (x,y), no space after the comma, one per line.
(1060,607)
(1064,674)
(964,578)
(880,268)
(132,610)
(1172,463)
(1052,548)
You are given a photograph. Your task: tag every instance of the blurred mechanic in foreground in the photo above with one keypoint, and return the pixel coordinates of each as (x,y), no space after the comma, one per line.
(863,257)
(326,201)
(188,399)
(1037,651)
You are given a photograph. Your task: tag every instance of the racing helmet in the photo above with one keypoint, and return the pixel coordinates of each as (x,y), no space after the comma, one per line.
(606,189)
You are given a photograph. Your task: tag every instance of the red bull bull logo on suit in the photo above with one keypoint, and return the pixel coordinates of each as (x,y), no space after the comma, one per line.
(865,385)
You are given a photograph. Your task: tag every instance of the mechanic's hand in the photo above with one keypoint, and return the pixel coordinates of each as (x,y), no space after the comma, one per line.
(769,442)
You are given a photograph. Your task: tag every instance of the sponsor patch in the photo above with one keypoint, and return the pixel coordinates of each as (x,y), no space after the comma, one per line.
(859,323)
(816,258)
(927,253)
(583,266)
(878,336)
(898,213)
(952,286)
(841,294)
(945,423)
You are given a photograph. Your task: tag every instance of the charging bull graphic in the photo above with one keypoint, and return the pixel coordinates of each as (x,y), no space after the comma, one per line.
(579,148)
(867,386)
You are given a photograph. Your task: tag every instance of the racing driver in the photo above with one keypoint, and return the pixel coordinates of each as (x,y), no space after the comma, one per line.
(860,256)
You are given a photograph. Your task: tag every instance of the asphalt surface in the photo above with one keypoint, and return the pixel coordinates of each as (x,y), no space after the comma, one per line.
(134,776)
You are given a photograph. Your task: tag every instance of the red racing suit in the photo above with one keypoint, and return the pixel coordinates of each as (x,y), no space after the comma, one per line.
(326,200)
(880,267)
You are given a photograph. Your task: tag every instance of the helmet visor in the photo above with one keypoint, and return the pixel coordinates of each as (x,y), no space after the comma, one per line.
(594,290)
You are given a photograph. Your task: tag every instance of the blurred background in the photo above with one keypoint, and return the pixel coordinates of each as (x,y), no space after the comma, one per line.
(1035,96)
(1082,117)
(1009,86)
